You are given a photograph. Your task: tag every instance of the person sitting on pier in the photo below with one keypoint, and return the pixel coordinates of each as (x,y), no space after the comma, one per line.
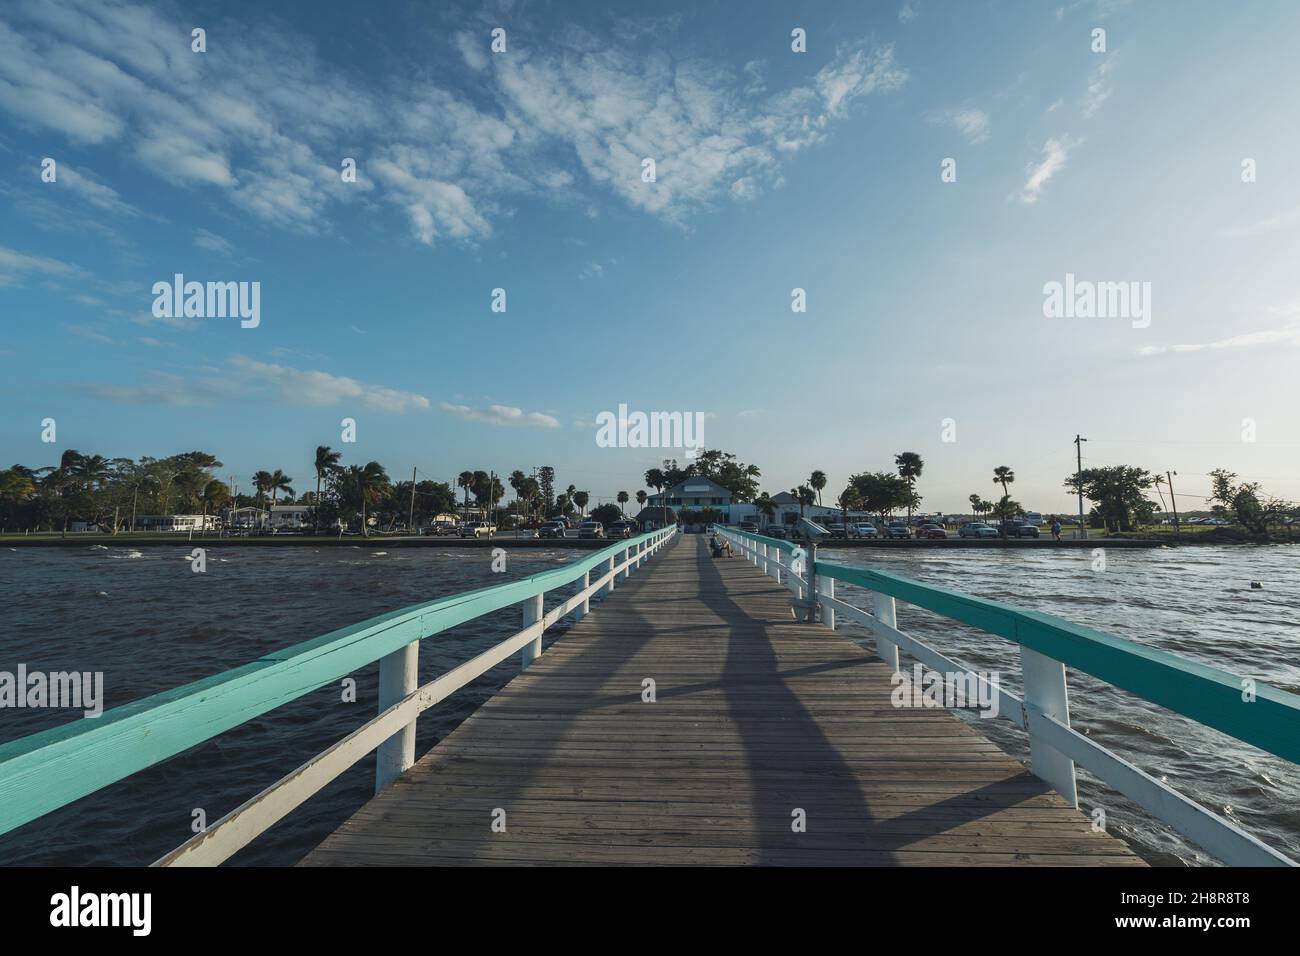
(720,546)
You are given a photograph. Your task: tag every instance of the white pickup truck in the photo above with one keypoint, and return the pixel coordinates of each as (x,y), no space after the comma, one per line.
(477,529)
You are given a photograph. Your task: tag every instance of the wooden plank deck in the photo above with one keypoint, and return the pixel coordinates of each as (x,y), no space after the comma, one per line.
(756,716)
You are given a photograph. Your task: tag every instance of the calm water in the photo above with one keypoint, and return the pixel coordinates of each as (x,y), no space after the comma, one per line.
(149,623)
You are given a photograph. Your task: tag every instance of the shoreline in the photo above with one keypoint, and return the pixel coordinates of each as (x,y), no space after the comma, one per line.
(591,544)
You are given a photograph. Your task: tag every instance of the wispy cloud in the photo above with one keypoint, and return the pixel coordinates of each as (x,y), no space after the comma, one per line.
(1290,335)
(260,120)
(502,415)
(246,379)
(1055,152)
(1099,86)
(14,266)
(971,123)
(909,11)
(212,242)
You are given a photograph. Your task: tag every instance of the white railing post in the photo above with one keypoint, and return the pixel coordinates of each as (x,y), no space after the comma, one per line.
(623,560)
(398,678)
(1045,691)
(776,570)
(532,614)
(583,609)
(609,585)
(764,566)
(886,611)
(826,588)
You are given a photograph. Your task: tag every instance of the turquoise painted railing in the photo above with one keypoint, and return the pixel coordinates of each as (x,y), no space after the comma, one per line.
(1250,710)
(48,770)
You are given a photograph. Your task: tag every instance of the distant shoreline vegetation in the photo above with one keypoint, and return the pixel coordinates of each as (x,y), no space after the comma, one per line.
(95,493)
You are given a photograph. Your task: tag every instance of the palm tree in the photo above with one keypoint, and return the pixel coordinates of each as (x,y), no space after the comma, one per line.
(642,498)
(976,505)
(766,506)
(849,499)
(262,482)
(326,461)
(656,479)
(1002,475)
(516,480)
(580,498)
(622,499)
(817,481)
(465,480)
(279,482)
(909,469)
(370,483)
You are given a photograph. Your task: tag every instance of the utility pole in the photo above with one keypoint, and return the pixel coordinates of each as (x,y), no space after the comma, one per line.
(1173,501)
(410,520)
(1078,477)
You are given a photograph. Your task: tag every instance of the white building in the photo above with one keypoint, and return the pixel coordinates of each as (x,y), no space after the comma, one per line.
(182,523)
(696,494)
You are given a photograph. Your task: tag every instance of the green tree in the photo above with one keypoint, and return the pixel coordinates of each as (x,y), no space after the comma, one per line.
(622,499)
(909,466)
(1119,491)
(817,481)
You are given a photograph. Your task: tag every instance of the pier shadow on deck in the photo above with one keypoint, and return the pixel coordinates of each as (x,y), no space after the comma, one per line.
(756,718)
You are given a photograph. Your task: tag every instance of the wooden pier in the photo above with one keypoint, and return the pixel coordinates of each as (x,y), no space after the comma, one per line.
(768,741)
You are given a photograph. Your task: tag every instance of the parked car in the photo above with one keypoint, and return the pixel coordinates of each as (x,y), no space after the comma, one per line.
(591,529)
(749,526)
(977,529)
(775,531)
(1021,529)
(931,531)
(439,528)
(897,529)
(620,529)
(477,529)
(865,531)
(552,529)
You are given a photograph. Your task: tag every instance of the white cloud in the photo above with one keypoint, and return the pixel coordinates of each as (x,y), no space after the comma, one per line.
(1099,87)
(502,415)
(15,265)
(909,11)
(246,379)
(971,123)
(212,242)
(261,120)
(1289,335)
(1055,152)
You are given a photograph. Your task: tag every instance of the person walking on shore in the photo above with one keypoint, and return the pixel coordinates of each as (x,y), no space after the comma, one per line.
(1056,528)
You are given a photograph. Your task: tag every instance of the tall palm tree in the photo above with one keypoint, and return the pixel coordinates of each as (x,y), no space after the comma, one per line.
(465,480)
(817,481)
(580,498)
(976,505)
(516,480)
(262,482)
(642,498)
(909,469)
(1002,475)
(370,482)
(622,499)
(279,482)
(326,461)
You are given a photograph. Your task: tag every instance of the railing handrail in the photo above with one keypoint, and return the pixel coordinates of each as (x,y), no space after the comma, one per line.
(1208,695)
(44,771)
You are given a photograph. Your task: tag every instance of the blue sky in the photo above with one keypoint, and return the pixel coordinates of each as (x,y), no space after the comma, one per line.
(775,170)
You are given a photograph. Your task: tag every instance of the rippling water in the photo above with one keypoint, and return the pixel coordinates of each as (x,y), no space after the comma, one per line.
(1196,602)
(150,624)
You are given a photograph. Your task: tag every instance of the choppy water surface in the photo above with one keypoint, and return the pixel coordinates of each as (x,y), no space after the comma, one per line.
(150,624)
(1195,602)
